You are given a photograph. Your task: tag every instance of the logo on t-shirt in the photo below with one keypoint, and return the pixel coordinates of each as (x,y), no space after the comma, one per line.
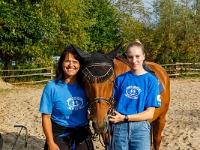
(75,103)
(159,99)
(133,92)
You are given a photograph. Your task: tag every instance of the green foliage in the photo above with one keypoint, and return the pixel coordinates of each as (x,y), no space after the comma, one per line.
(134,21)
(103,30)
(73,22)
(32,31)
(175,33)
(26,31)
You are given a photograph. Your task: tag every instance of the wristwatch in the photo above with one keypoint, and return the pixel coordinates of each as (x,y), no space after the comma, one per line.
(126,118)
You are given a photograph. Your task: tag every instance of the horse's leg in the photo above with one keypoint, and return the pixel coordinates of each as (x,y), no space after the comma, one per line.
(158,126)
(151,135)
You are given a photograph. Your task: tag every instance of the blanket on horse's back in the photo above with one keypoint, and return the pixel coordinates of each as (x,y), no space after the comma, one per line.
(123,58)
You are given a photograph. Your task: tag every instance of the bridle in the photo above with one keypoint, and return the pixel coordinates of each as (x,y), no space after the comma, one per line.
(100,79)
(110,102)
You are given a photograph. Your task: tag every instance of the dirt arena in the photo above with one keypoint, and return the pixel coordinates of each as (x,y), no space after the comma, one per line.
(19,106)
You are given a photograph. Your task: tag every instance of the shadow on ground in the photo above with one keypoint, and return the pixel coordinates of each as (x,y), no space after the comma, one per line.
(10,142)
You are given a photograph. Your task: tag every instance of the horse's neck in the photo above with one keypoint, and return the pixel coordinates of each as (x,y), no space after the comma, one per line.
(120,66)
(122,57)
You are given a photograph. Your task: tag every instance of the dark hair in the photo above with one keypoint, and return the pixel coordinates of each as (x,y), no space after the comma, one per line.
(59,69)
(135,43)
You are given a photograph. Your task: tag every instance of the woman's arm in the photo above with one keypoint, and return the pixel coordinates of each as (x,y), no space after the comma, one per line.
(47,127)
(145,115)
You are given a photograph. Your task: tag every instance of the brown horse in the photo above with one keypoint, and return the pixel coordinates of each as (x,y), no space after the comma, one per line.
(99,75)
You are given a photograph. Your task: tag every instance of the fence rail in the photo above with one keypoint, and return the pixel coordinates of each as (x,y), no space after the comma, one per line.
(45,72)
(173,70)
(179,69)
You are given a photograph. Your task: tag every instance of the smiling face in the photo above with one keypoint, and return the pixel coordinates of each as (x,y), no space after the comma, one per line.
(135,57)
(70,68)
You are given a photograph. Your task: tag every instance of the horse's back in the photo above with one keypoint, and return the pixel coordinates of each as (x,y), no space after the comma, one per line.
(160,72)
(165,96)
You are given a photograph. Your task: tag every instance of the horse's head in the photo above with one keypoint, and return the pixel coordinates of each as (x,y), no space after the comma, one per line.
(99,79)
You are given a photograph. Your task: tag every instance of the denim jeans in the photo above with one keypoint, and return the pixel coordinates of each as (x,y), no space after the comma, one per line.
(131,136)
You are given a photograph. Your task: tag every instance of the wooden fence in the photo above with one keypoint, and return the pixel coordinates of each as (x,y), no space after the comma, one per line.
(45,72)
(174,70)
(182,69)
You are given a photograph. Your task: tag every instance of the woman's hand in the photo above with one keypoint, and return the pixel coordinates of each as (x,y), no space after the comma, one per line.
(53,146)
(116,118)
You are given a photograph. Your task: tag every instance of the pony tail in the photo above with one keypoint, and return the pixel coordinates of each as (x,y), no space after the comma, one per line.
(138,41)
(135,43)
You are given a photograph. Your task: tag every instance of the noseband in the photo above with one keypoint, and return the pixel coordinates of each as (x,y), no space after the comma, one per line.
(100,79)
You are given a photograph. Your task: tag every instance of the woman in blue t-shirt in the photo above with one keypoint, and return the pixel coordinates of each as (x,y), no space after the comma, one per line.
(64,108)
(136,95)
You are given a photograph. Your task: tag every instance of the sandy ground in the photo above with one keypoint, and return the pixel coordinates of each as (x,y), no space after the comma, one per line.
(19,106)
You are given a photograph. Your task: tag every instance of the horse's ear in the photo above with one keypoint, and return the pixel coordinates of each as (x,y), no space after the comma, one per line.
(112,54)
(83,55)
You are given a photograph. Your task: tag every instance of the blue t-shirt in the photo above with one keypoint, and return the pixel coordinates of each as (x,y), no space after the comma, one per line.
(65,102)
(135,93)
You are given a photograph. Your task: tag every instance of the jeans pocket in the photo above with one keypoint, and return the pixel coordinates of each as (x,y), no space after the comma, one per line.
(147,125)
(117,128)
(120,127)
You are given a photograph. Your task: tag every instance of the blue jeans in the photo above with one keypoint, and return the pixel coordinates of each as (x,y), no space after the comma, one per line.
(131,135)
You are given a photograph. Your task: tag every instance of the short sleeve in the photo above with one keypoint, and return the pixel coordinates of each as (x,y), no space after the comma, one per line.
(153,98)
(46,102)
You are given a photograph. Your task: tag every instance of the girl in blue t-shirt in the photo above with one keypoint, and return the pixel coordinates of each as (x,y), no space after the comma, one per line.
(64,108)
(136,95)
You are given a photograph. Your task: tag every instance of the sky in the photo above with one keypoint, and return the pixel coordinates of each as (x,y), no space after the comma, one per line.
(147,2)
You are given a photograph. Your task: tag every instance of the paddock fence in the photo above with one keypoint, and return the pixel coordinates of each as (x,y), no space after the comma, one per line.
(48,73)
(182,69)
(37,75)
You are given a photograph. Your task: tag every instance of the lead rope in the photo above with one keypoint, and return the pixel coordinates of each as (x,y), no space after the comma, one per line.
(110,143)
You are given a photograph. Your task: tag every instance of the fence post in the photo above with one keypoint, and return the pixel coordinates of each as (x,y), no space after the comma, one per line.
(51,71)
(176,67)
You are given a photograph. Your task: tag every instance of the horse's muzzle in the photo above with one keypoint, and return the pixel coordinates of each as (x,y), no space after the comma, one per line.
(99,129)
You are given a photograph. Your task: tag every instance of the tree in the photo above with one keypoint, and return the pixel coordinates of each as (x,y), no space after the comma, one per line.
(26,31)
(104,32)
(175,32)
(73,22)
(135,23)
